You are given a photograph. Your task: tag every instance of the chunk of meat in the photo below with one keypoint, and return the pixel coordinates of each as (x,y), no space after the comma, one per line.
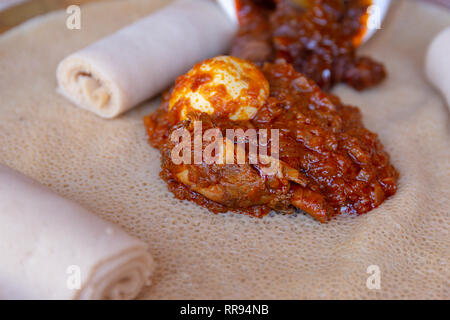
(311,202)
(234,185)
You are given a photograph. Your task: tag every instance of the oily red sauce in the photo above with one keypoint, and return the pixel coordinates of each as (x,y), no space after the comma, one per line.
(320,40)
(343,165)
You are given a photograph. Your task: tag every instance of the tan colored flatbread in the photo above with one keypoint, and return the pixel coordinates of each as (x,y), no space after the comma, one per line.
(51,248)
(137,62)
(107,166)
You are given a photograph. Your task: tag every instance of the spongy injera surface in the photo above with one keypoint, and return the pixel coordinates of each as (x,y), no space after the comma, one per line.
(108,166)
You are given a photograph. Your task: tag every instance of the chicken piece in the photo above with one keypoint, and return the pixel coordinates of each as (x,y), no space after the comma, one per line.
(311,202)
(241,186)
(234,185)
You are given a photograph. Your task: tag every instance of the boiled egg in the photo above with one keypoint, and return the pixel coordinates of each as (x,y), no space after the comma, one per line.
(223,86)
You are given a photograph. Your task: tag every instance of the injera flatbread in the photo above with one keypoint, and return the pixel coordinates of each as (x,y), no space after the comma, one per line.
(108,167)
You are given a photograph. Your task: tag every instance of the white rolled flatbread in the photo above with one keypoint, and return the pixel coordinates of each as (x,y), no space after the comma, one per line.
(51,248)
(437,63)
(137,62)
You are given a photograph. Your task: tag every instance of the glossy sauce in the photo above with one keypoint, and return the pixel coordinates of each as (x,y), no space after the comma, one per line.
(320,40)
(343,165)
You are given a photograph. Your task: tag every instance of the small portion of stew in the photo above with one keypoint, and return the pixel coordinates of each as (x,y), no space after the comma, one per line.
(319,39)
